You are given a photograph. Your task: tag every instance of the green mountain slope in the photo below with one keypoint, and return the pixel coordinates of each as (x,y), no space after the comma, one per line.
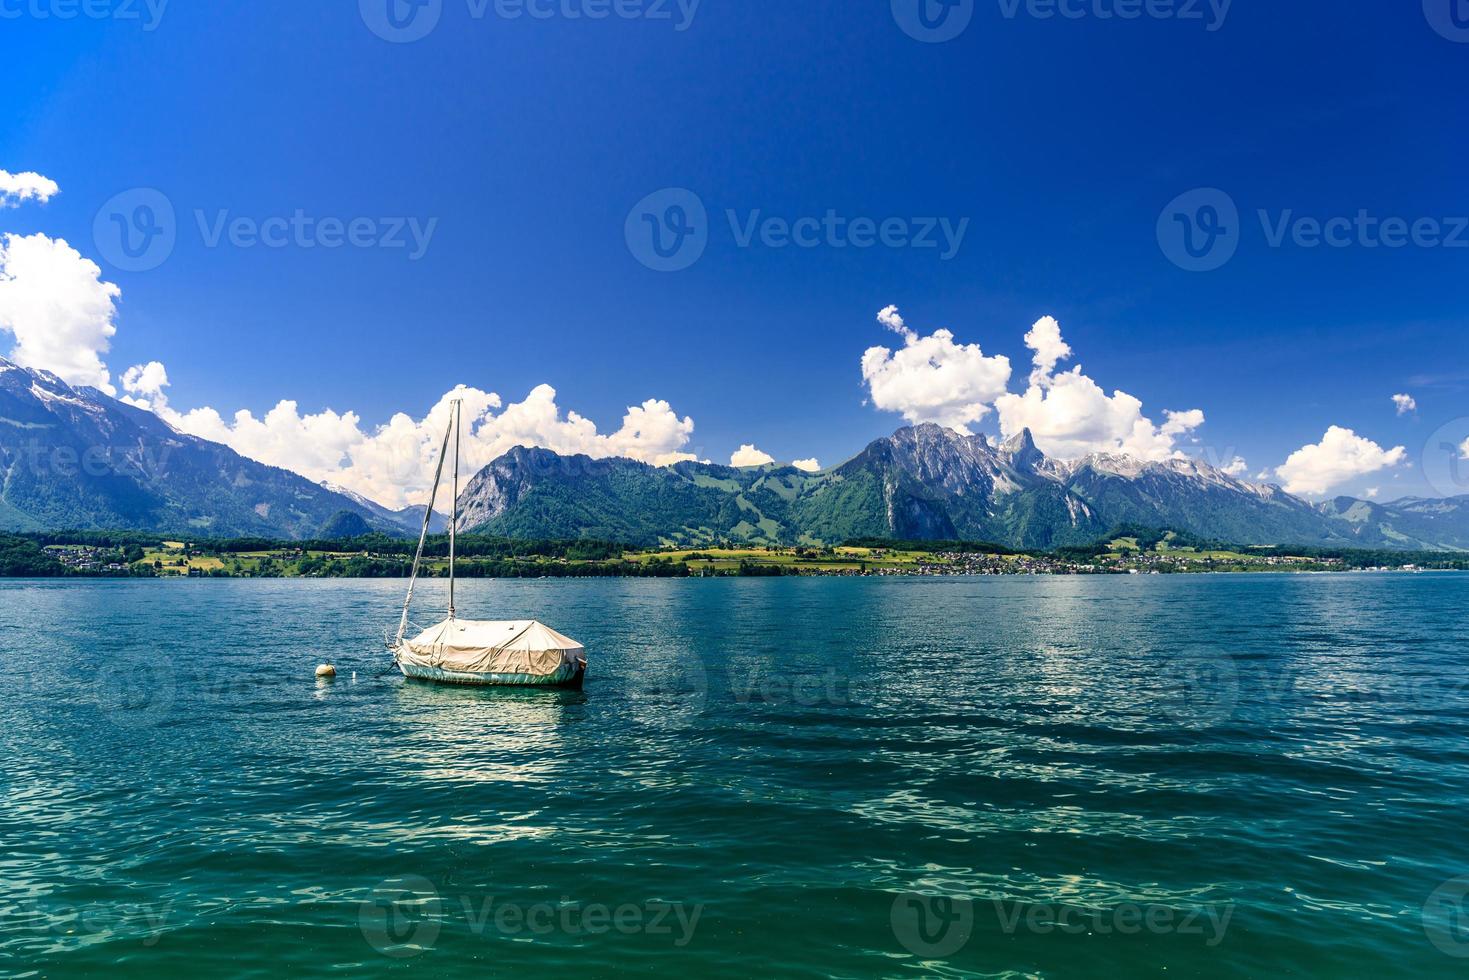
(927,483)
(76,459)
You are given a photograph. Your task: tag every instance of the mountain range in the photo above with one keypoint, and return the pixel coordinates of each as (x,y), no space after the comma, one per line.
(74,458)
(930,483)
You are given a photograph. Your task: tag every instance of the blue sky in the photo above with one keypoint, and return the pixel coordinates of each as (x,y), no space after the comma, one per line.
(528,141)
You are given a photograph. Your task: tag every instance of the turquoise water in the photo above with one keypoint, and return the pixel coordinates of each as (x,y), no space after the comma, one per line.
(1063,777)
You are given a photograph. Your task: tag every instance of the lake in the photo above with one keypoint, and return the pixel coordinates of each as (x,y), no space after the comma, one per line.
(1041,776)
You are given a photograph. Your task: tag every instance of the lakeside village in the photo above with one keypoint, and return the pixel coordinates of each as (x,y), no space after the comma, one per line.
(100,554)
(1134,563)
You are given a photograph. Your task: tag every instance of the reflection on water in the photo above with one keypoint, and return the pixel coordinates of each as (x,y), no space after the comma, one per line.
(480,734)
(802,761)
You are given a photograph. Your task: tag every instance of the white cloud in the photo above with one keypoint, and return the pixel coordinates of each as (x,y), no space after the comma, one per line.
(1235,467)
(318,446)
(750,456)
(1405,404)
(55,304)
(60,312)
(1044,338)
(933,379)
(28,186)
(1340,456)
(1180,423)
(889,317)
(809,465)
(1372,492)
(1069,414)
(392,463)
(145,380)
(936,379)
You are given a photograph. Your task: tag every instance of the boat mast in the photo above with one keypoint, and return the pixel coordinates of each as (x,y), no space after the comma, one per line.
(454,519)
(428,513)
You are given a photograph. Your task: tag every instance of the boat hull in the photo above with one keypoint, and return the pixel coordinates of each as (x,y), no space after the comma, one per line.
(566,677)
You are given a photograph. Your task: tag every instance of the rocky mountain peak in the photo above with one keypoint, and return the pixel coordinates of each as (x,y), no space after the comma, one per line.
(924,481)
(1020,442)
(1021,452)
(931,435)
(938,456)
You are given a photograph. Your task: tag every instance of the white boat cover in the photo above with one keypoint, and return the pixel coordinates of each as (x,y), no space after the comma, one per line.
(521,646)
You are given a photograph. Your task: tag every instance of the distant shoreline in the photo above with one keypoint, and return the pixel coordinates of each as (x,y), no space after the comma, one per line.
(1282,573)
(1128,551)
(131,555)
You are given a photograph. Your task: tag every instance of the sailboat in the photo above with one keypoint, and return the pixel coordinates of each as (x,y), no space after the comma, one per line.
(503,653)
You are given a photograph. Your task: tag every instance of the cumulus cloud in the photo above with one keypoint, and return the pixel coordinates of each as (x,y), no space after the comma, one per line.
(750,456)
(1372,492)
(1044,338)
(1235,467)
(1179,423)
(145,381)
(809,465)
(56,306)
(1405,404)
(889,317)
(1340,456)
(933,379)
(1069,414)
(28,186)
(60,312)
(392,463)
(936,379)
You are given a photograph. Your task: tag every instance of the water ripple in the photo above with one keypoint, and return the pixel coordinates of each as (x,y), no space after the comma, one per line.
(792,759)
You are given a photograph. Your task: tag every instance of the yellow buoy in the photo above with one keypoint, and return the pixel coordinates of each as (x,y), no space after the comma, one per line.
(326,670)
